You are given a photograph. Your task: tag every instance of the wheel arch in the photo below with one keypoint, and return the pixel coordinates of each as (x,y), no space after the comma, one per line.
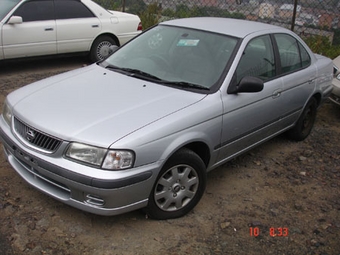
(198,147)
(201,149)
(113,36)
(197,141)
(318,98)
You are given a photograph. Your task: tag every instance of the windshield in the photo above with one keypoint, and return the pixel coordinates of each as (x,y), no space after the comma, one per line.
(6,6)
(178,55)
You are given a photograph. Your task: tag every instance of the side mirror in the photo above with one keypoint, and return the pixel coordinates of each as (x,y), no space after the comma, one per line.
(248,84)
(15,20)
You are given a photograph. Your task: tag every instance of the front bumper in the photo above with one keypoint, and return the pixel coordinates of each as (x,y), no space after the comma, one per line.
(103,193)
(335,96)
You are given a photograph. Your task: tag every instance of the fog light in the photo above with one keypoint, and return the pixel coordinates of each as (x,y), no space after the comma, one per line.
(94,200)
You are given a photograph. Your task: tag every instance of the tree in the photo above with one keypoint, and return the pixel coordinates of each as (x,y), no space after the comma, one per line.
(151,15)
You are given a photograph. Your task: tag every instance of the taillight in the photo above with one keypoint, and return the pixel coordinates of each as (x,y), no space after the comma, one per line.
(140,27)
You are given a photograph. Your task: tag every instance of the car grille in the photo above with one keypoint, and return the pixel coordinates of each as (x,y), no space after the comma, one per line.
(36,138)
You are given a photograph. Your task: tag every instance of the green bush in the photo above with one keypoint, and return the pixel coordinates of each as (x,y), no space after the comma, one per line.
(321,45)
(150,16)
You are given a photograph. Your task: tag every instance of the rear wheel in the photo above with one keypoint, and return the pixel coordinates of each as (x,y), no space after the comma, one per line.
(179,186)
(101,48)
(305,123)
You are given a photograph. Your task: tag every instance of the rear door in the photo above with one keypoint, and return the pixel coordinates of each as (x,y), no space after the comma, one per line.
(77,26)
(298,75)
(36,35)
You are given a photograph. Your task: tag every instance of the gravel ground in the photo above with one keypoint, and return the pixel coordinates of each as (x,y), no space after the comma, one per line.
(280,198)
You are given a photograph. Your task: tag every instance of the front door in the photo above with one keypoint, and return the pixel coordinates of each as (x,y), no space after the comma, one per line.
(35,36)
(249,118)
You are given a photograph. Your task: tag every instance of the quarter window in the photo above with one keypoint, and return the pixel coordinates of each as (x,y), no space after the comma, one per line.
(305,58)
(257,60)
(71,9)
(36,11)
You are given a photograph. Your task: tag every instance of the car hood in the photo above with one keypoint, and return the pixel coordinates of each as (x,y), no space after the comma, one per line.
(96,106)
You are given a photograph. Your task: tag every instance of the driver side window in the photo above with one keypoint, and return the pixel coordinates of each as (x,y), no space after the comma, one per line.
(257,60)
(36,11)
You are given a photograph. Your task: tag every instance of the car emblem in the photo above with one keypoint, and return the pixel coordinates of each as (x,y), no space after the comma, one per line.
(30,135)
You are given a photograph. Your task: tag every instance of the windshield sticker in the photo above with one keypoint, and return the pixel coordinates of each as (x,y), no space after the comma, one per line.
(188,42)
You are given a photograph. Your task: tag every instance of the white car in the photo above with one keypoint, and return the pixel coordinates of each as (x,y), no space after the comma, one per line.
(46,27)
(335,96)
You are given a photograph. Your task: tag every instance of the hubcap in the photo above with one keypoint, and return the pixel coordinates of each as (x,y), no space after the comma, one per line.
(176,188)
(103,50)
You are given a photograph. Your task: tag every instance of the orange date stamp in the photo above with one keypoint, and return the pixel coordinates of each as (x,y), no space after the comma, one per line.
(273,232)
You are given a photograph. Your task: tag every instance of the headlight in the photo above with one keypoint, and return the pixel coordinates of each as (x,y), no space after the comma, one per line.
(7,113)
(338,76)
(85,153)
(99,157)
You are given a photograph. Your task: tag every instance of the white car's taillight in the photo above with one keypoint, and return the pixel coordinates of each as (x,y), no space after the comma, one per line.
(140,27)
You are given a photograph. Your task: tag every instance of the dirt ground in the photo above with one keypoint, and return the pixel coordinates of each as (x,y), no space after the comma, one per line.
(280,198)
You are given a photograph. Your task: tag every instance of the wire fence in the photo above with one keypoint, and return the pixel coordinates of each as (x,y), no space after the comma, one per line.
(304,17)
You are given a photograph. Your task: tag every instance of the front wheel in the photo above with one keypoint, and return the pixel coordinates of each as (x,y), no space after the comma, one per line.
(179,186)
(305,123)
(101,48)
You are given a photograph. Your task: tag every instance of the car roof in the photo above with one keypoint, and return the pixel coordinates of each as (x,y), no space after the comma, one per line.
(234,27)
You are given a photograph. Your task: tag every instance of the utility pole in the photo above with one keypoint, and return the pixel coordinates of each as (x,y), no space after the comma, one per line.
(294,15)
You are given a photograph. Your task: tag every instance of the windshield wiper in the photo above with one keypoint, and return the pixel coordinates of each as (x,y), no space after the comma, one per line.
(184,84)
(149,77)
(135,73)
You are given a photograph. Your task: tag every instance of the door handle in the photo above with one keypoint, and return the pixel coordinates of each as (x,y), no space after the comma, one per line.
(49,29)
(276,93)
(311,80)
(94,26)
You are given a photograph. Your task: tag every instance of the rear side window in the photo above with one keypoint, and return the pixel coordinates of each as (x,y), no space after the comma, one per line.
(71,9)
(36,11)
(293,55)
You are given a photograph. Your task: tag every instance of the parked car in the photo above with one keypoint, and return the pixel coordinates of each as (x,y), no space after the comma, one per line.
(46,27)
(144,127)
(335,96)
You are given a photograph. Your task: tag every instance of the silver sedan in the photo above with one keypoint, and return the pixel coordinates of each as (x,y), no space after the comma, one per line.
(143,128)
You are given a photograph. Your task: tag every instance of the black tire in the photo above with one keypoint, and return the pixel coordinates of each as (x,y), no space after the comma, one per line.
(101,48)
(305,123)
(178,187)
